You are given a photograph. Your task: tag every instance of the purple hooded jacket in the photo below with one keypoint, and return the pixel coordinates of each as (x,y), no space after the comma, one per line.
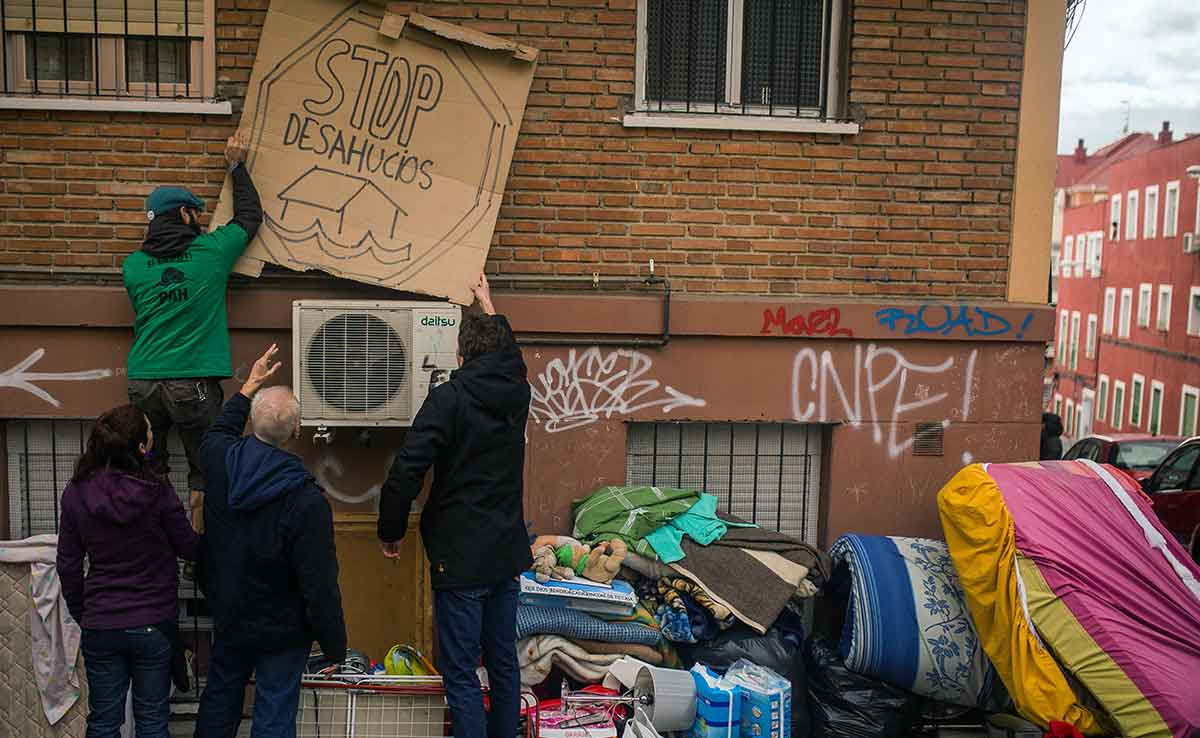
(131,531)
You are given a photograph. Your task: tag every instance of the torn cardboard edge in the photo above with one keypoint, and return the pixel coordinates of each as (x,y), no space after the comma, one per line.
(393,25)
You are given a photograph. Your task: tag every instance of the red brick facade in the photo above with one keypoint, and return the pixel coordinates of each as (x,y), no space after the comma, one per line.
(918,203)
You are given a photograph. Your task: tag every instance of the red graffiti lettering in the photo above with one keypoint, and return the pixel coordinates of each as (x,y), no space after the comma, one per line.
(820,322)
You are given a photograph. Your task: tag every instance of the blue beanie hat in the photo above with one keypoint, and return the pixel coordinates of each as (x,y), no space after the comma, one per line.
(170,199)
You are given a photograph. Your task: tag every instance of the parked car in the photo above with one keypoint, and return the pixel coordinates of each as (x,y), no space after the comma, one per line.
(1135,454)
(1174,489)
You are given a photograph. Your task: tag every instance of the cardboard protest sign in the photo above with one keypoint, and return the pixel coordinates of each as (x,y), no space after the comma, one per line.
(380,144)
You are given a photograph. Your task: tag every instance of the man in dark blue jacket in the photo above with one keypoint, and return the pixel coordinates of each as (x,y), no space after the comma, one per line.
(471,430)
(269,568)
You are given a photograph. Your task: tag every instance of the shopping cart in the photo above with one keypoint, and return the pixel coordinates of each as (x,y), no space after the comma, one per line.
(361,706)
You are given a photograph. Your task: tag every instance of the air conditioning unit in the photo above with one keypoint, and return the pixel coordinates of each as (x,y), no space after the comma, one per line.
(367,364)
(1190,243)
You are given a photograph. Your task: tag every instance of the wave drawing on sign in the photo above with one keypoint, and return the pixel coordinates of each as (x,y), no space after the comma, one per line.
(19,377)
(590,385)
(822,393)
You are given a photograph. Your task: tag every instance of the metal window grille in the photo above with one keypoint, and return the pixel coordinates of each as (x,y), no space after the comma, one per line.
(41,456)
(741,57)
(767,473)
(148,49)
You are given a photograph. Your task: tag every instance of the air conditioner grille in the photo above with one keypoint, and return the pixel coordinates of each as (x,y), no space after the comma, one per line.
(357,364)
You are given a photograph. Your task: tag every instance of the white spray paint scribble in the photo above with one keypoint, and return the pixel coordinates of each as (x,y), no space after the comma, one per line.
(825,380)
(329,467)
(585,387)
(19,378)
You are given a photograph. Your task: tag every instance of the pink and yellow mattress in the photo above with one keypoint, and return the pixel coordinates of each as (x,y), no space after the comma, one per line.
(1087,607)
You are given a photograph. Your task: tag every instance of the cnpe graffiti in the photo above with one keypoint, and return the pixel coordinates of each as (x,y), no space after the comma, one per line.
(820,322)
(948,320)
(823,393)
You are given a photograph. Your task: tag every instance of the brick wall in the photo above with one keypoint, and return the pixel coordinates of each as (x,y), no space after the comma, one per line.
(918,203)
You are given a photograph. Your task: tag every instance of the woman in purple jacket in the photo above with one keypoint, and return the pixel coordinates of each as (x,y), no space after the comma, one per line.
(130,525)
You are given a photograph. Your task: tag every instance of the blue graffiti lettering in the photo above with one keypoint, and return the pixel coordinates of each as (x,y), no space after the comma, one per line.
(945,320)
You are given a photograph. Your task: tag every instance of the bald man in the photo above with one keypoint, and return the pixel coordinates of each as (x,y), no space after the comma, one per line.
(269,569)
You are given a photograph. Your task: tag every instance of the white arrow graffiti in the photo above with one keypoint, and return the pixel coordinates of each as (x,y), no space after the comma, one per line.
(18,378)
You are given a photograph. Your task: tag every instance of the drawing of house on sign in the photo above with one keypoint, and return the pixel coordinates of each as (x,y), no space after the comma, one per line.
(380,154)
(346,216)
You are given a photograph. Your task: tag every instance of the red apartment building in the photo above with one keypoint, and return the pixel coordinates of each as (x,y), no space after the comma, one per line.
(1127,341)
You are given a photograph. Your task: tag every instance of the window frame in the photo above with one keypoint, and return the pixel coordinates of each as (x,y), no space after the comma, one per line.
(1162,318)
(1081,255)
(1185,392)
(109,89)
(1171,224)
(1102,388)
(1154,421)
(1150,217)
(1095,252)
(1069,419)
(1076,319)
(1066,259)
(1118,407)
(1145,304)
(1110,310)
(1058,404)
(1064,323)
(1125,313)
(1137,399)
(732,116)
(1132,205)
(1114,217)
(1083,424)
(1193,323)
(1089,341)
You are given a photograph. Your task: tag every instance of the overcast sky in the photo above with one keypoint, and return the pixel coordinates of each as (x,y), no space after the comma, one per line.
(1143,51)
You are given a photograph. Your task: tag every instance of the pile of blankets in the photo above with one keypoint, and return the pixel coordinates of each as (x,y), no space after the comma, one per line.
(698,572)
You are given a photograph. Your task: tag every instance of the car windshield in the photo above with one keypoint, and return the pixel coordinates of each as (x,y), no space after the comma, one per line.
(1143,455)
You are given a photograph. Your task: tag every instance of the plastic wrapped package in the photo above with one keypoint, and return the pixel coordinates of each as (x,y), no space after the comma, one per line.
(766,700)
(777,650)
(844,704)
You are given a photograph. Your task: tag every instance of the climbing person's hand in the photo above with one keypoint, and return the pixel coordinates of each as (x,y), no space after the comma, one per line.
(237,147)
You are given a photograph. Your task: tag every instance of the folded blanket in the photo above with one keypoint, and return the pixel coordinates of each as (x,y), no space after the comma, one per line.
(539,655)
(533,621)
(652,656)
(907,621)
(754,572)
(629,513)
(700,523)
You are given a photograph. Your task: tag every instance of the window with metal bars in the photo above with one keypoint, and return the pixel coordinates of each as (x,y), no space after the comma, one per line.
(739,57)
(149,49)
(40,458)
(767,473)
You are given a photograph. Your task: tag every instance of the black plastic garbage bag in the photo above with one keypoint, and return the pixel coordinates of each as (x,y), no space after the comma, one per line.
(778,651)
(844,704)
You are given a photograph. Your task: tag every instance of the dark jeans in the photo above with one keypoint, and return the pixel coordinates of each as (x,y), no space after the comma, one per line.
(276,691)
(117,659)
(190,405)
(472,623)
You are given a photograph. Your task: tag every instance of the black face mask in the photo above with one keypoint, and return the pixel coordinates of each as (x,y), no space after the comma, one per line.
(194,223)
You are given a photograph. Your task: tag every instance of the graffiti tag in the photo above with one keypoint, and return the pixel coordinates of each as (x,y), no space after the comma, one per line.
(945,320)
(820,322)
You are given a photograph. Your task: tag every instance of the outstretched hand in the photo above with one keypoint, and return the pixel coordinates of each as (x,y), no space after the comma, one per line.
(262,370)
(237,147)
(483,294)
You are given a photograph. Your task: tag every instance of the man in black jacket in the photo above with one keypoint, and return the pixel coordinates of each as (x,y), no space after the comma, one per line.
(471,430)
(269,568)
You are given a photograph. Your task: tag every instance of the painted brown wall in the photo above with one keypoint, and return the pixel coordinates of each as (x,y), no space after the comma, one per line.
(890,376)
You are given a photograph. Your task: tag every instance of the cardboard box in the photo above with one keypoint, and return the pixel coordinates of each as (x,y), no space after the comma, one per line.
(380,143)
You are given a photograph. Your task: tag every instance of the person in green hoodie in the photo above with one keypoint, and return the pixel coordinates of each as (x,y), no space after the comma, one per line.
(176,284)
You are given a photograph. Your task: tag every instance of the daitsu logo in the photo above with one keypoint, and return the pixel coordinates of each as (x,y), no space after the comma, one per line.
(386,96)
(438,321)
